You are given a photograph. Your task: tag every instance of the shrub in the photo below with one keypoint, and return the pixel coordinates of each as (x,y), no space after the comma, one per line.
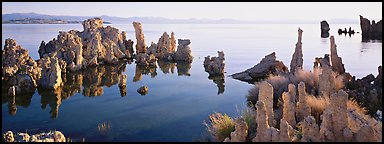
(220,126)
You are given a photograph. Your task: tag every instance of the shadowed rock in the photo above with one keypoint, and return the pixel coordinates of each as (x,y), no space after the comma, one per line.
(370,31)
(324,26)
(337,63)
(268,65)
(297,57)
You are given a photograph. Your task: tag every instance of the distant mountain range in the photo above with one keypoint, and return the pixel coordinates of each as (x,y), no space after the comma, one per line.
(161,20)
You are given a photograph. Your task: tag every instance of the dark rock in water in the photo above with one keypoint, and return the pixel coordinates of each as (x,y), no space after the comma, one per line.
(370,31)
(349,32)
(324,26)
(143,90)
(268,65)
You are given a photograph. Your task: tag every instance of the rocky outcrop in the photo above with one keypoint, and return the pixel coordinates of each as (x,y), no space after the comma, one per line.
(215,65)
(165,47)
(93,46)
(240,133)
(54,136)
(370,31)
(310,130)
(140,41)
(266,95)
(303,109)
(337,63)
(367,93)
(324,27)
(297,57)
(268,65)
(289,109)
(16,60)
(50,73)
(183,52)
(144,59)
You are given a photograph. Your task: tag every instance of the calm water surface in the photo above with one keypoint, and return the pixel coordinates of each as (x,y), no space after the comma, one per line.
(91,105)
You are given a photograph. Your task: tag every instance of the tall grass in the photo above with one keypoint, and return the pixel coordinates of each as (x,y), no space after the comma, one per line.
(220,126)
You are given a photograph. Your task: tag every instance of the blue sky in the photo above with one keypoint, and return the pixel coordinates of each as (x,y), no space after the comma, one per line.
(205,10)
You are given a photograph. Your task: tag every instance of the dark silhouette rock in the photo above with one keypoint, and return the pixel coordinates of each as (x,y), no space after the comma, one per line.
(370,31)
(324,26)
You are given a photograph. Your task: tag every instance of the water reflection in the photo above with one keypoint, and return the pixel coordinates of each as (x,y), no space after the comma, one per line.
(219,81)
(165,66)
(90,82)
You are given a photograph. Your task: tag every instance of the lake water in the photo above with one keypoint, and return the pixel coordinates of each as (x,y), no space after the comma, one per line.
(92,106)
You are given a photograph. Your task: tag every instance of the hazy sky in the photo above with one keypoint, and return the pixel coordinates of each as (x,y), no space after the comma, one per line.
(201,10)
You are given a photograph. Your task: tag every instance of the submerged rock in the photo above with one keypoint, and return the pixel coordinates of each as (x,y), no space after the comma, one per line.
(268,65)
(215,65)
(143,90)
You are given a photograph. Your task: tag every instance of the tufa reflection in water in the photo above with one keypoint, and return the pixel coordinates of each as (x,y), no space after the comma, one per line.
(219,81)
(89,82)
(165,66)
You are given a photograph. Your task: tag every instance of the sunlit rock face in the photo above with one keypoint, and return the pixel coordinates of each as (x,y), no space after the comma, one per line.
(165,47)
(183,52)
(50,73)
(324,27)
(93,46)
(370,31)
(268,65)
(18,68)
(140,40)
(215,65)
(52,136)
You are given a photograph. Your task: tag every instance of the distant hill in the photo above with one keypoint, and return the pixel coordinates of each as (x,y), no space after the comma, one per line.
(160,20)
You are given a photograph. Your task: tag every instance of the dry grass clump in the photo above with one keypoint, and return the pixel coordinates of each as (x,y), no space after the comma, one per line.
(249,116)
(220,126)
(279,84)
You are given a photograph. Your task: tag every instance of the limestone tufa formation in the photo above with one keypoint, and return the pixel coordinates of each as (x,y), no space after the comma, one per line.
(140,41)
(16,60)
(55,136)
(183,52)
(215,65)
(297,57)
(50,73)
(337,64)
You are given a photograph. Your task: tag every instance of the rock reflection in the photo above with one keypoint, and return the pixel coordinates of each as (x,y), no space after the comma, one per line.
(23,100)
(140,70)
(169,67)
(219,81)
(52,98)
